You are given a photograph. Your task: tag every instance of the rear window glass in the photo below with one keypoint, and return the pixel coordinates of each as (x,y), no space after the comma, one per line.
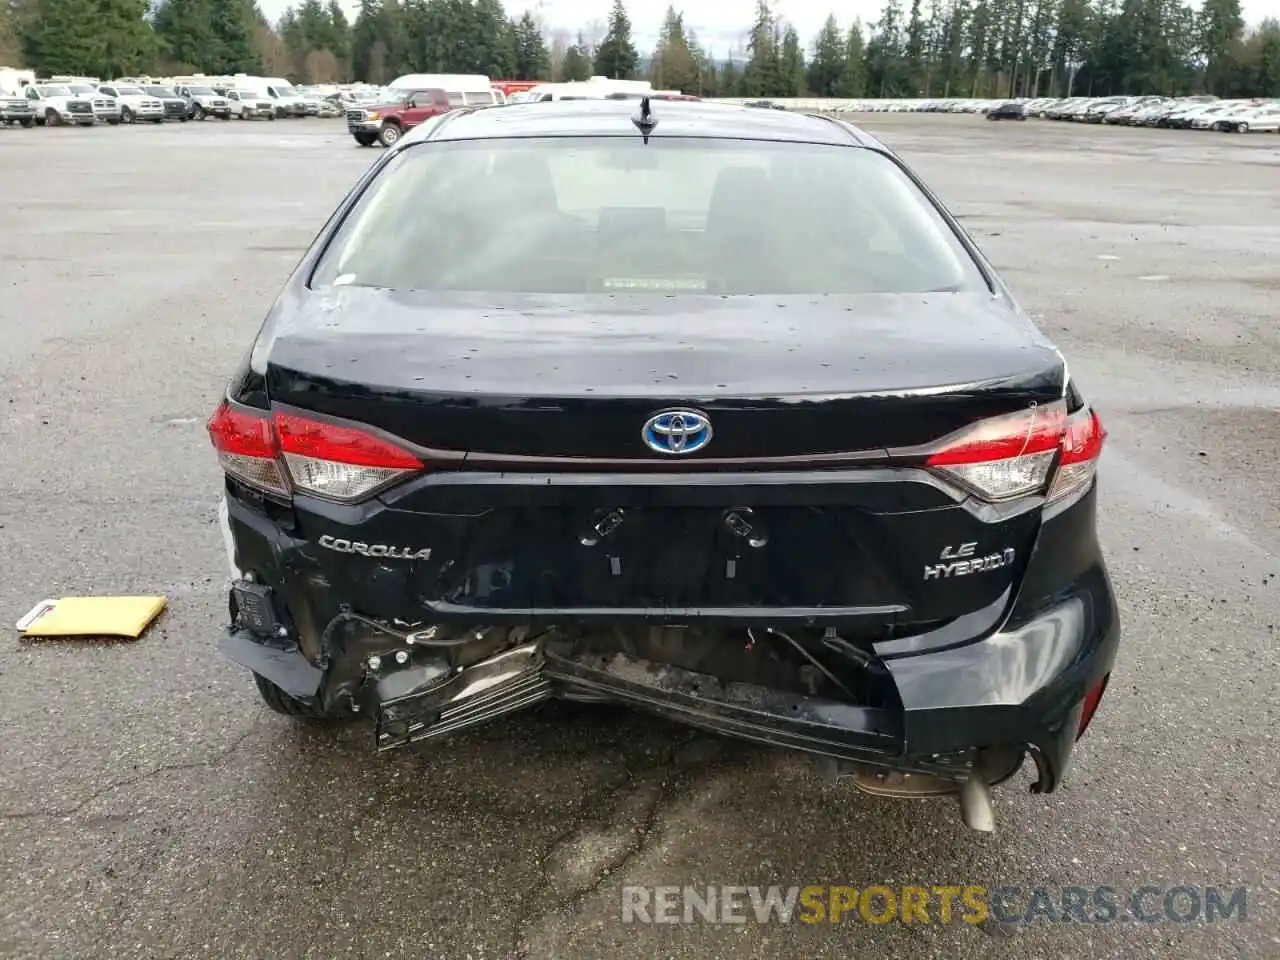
(569,215)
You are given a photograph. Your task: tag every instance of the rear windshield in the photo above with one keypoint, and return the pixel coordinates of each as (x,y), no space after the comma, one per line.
(569,215)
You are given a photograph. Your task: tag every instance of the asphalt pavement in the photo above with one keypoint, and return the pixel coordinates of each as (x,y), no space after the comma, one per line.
(151,807)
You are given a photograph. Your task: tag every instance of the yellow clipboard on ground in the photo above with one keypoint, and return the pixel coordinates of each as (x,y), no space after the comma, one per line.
(91,617)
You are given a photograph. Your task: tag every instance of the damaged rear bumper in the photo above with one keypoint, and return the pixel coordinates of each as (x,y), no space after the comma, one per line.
(1017,691)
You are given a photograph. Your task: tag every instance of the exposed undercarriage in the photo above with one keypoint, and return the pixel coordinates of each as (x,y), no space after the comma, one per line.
(815,691)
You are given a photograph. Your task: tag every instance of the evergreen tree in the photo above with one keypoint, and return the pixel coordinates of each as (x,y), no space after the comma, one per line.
(826,67)
(368,52)
(677,64)
(884,58)
(761,75)
(533,60)
(853,80)
(339,33)
(576,64)
(128,44)
(1220,27)
(185,28)
(730,79)
(616,56)
(950,48)
(62,37)
(791,66)
(233,23)
(1263,50)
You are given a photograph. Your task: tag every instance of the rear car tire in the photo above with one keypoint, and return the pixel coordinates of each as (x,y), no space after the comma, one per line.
(28,122)
(389,135)
(126,115)
(281,702)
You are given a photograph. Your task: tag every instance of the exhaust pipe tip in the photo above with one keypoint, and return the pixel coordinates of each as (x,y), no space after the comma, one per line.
(977,808)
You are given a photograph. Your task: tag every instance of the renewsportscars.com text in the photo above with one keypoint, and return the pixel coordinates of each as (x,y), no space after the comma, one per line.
(941,904)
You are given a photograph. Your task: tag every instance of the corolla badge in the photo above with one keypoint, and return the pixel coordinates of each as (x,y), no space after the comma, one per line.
(340,545)
(677,432)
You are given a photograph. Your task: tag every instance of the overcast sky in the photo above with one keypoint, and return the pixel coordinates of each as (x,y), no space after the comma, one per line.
(721,25)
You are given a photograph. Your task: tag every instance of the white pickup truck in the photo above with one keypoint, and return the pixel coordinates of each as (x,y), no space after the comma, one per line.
(136,104)
(16,109)
(55,104)
(105,109)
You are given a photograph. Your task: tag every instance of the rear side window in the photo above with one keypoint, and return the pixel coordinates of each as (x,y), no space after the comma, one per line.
(571,215)
(456,99)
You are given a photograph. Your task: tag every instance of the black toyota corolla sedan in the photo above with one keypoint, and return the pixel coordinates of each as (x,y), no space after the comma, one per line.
(711,411)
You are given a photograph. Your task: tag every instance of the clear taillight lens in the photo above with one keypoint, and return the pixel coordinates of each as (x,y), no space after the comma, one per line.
(284,452)
(1012,456)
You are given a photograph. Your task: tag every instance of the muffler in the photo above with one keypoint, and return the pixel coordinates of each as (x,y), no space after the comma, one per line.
(977,806)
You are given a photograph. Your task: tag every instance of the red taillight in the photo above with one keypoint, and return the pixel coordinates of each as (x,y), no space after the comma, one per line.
(246,446)
(326,441)
(1081,448)
(1030,431)
(1090,705)
(1011,456)
(288,452)
(341,463)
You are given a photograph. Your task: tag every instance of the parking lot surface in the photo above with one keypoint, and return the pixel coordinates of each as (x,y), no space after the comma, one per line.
(151,807)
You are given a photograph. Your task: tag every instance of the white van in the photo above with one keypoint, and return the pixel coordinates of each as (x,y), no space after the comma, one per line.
(462,89)
(288,102)
(597,88)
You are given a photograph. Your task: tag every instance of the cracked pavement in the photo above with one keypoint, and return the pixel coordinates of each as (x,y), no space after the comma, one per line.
(151,807)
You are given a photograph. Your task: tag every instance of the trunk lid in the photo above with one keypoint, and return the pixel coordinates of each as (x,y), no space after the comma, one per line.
(578,378)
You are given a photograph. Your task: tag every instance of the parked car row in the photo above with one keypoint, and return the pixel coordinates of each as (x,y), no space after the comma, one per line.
(85,102)
(1259,115)
(1186,113)
(962,105)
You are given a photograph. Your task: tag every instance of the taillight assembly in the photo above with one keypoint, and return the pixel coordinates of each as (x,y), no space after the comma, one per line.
(283,452)
(1012,456)
(1089,707)
(247,449)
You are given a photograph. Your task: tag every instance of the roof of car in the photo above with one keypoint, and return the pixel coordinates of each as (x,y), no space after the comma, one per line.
(675,118)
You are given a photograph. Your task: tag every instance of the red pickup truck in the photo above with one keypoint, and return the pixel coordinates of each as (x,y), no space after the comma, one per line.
(385,122)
